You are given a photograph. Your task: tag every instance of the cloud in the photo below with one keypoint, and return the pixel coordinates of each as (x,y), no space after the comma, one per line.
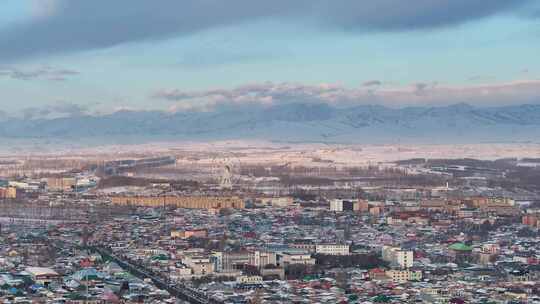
(422,87)
(428,93)
(46,73)
(34,112)
(71,109)
(63,26)
(60,109)
(264,94)
(372,83)
(477,78)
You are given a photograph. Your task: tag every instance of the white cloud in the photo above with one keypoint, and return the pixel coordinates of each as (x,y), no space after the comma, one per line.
(423,93)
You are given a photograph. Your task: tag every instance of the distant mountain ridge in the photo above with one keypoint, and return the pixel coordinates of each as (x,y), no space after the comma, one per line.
(296,122)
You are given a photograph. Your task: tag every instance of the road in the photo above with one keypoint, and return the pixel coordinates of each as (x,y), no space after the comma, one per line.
(178,290)
(181,291)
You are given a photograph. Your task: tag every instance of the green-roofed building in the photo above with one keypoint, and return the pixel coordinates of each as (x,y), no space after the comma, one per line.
(461,253)
(88,274)
(381,299)
(460,247)
(160,257)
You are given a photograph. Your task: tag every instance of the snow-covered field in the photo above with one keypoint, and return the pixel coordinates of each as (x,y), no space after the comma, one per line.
(262,152)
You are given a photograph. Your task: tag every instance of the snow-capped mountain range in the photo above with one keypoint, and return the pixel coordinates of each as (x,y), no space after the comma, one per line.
(297,122)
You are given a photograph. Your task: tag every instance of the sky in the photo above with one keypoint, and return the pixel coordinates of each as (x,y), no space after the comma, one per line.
(73,57)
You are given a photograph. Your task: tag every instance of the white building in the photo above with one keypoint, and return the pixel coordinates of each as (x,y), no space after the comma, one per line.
(398,257)
(261,258)
(341,205)
(249,280)
(179,272)
(332,249)
(278,202)
(336,205)
(200,265)
(289,258)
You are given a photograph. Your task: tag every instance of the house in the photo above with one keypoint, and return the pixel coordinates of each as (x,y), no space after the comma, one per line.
(42,275)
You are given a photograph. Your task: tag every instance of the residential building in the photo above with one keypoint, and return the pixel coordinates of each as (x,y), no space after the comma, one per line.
(398,257)
(332,249)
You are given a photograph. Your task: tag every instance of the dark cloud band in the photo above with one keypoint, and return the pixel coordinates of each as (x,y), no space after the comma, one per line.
(80,24)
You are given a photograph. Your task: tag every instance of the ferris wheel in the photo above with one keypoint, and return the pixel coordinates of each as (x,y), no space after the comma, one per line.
(226,171)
